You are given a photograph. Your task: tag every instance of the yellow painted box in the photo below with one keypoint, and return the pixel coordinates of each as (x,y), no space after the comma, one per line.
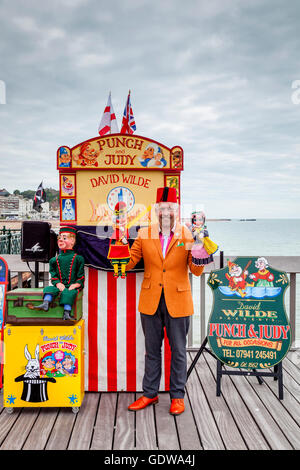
(44,366)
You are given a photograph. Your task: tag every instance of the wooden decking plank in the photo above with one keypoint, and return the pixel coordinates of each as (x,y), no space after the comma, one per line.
(165,424)
(267,424)
(84,425)
(290,367)
(227,427)
(145,435)
(291,385)
(205,422)
(124,436)
(247,426)
(278,409)
(294,358)
(7,422)
(105,421)
(39,434)
(187,430)
(19,432)
(62,429)
(291,396)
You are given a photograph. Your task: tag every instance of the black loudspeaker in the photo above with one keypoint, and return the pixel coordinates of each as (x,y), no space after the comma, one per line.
(38,241)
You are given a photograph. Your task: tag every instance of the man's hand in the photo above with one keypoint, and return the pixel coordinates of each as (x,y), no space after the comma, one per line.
(60,286)
(74,286)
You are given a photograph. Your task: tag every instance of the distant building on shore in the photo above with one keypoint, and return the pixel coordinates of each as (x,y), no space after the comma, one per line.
(9,206)
(18,207)
(4,192)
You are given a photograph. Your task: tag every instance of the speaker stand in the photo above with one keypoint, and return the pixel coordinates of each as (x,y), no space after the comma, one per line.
(36,274)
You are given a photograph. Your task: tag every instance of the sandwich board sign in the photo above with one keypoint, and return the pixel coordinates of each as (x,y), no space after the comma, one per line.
(248,326)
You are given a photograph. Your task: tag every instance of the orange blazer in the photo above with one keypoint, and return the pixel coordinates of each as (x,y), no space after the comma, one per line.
(169,273)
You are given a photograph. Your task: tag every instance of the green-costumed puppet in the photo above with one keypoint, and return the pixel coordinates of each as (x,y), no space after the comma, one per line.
(67,273)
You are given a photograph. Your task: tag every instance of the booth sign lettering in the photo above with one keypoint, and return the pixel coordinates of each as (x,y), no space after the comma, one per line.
(119,151)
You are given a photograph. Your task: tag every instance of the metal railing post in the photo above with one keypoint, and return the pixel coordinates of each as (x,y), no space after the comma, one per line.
(293,306)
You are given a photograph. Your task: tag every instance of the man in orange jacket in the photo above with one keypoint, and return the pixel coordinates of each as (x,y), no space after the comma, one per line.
(165,298)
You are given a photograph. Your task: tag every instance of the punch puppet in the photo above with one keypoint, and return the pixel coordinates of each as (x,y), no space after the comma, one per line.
(119,251)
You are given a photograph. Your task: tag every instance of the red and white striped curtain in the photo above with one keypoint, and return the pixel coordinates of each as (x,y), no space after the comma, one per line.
(114,339)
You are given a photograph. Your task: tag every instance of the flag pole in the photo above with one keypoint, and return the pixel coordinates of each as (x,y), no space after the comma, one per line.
(109,97)
(41,207)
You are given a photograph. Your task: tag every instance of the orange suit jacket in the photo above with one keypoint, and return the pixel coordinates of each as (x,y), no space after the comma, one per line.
(169,273)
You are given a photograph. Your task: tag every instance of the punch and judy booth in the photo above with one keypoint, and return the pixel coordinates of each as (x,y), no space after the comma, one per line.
(94,176)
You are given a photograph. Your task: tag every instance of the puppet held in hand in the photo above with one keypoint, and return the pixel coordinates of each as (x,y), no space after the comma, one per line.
(119,251)
(67,274)
(203,248)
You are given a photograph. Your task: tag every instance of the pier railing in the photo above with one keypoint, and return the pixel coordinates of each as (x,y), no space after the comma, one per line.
(10,241)
(24,272)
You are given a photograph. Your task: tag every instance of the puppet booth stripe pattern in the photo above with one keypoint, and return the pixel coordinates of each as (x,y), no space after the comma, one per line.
(114,342)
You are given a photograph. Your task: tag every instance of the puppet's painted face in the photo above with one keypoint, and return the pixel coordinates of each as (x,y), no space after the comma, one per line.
(65,158)
(89,153)
(198,220)
(48,363)
(261,264)
(68,204)
(67,363)
(149,152)
(235,271)
(65,241)
(158,157)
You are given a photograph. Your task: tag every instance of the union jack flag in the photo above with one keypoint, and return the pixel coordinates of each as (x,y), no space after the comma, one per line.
(128,122)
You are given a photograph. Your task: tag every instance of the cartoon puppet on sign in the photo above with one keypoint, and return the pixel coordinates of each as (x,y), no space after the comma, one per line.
(119,251)
(237,278)
(87,155)
(67,274)
(263,277)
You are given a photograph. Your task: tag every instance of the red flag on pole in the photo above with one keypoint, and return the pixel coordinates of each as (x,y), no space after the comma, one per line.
(128,122)
(108,123)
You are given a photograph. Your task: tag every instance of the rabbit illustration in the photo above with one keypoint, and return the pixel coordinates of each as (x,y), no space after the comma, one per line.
(34,386)
(33,365)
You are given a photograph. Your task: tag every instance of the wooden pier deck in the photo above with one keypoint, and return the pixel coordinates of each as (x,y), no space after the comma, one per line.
(246,416)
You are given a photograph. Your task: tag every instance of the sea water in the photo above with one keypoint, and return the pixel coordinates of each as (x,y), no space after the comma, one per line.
(260,237)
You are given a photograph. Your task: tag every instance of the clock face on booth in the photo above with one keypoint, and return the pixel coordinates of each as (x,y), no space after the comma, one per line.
(120,193)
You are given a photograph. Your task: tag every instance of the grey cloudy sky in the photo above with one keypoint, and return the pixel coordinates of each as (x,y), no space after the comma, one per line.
(212,76)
